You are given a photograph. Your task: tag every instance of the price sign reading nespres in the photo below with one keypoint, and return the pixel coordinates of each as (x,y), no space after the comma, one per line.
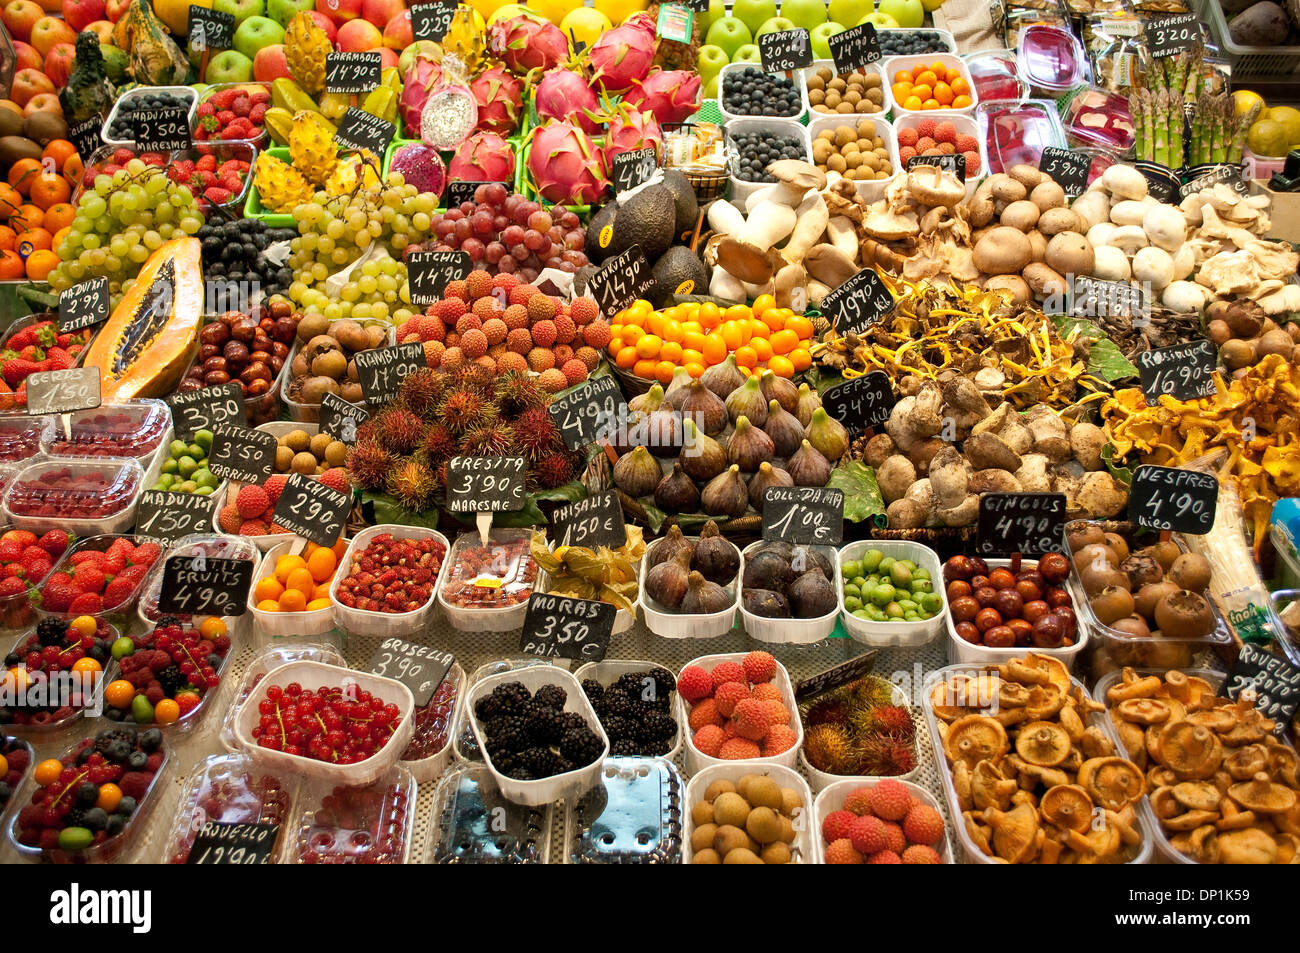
(804,514)
(419,667)
(62,392)
(381,370)
(592,522)
(84,305)
(565,627)
(855,47)
(340,418)
(429,21)
(205,585)
(633,167)
(1183,371)
(164,129)
(785,51)
(858,303)
(1069,169)
(207,408)
(210,29)
(1027,523)
(170,516)
(312,510)
(591,412)
(429,272)
(360,130)
(352,72)
(1171,498)
(620,281)
(239,453)
(223,844)
(477,484)
(861,403)
(953,162)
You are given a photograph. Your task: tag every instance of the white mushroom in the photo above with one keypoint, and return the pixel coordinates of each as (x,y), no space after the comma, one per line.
(1111,264)
(1154,266)
(1184,297)
(1124,181)
(1165,227)
(1128,239)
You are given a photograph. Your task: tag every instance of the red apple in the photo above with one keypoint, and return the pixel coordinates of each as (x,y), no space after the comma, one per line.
(19,16)
(116,8)
(358,36)
(325,23)
(380,12)
(270,63)
(58,63)
(49,31)
(387,57)
(104,30)
(29,83)
(397,32)
(79,14)
(26,57)
(340,11)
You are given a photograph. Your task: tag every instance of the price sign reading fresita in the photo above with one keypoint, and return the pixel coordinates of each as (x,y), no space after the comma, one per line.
(1183,371)
(84,305)
(1098,298)
(785,51)
(210,29)
(633,167)
(430,20)
(223,844)
(1171,498)
(1069,169)
(620,281)
(243,454)
(861,403)
(429,272)
(1169,36)
(804,514)
(160,129)
(953,162)
(855,47)
(480,484)
(591,522)
(312,510)
(1028,523)
(207,408)
(361,131)
(381,370)
(62,392)
(419,667)
(170,516)
(340,418)
(352,72)
(590,412)
(858,303)
(565,627)
(205,585)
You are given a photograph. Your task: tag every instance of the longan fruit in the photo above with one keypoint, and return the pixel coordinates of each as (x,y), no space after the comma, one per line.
(777,852)
(763,824)
(866,129)
(844,108)
(703,836)
(838,84)
(296,440)
(706,856)
(741,855)
(742,786)
(816,82)
(836,163)
(764,792)
(702,812)
(875,96)
(790,801)
(824,74)
(303,463)
(787,830)
(283,459)
(728,838)
(717,787)
(816,96)
(336,453)
(319,444)
(832,100)
(730,810)
(843,134)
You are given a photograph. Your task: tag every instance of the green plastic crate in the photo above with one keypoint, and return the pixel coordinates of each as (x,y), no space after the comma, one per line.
(253,204)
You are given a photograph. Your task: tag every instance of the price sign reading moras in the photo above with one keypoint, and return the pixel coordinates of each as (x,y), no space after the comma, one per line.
(312,510)
(592,522)
(1098,298)
(857,46)
(205,585)
(1171,35)
(1028,523)
(862,402)
(207,408)
(804,514)
(589,413)
(954,162)
(430,20)
(340,418)
(785,51)
(858,303)
(620,281)
(1171,498)
(429,272)
(62,392)
(211,29)
(381,370)
(360,130)
(477,484)
(220,843)
(84,305)
(163,129)
(243,454)
(633,167)
(1069,169)
(1183,371)
(418,667)
(564,627)
(1273,681)
(170,516)
(352,72)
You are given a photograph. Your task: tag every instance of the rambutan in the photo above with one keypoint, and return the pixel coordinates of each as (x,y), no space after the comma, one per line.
(882,755)
(399,430)
(555,469)
(828,748)
(368,464)
(491,439)
(421,391)
(461,409)
(535,433)
(439,443)
(411,482)
(517,392)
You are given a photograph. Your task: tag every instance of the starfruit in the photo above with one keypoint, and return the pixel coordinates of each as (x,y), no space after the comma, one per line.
(334,105)
(287,94)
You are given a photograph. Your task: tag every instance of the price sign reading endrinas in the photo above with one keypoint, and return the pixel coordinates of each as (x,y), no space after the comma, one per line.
(210,29)
(1169,36)
(785,51)
(430,20)
(429,272)
(352,72)
(205,585)
(591,523)
(861,403)
(360,130)
(804,514)
(1028,523)
(1069,169)
(855,47)
(620,281)
(565,627)
(62,392)
(591,412)
(478,484)
(381,370)
(84,305)
(207,408)
(170,516)
(340,418)
(858,303)
(223,844)
(239,453)
(418,667)
(163,129)
(1183,371)
(312,510)
(1269,680)
(1170,498)
(953,162)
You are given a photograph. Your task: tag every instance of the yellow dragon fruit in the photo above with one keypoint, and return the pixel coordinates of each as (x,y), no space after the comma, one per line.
(353,172)
(311,148)
(305,48)
(279,185)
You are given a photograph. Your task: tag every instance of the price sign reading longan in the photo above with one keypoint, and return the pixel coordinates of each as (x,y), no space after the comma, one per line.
(340,418)
(1028,523)
(479,484)
(855,47)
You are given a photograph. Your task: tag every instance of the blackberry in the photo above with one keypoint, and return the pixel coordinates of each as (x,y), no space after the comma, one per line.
(167,621)
(105,738)
(571,719)
(594,690)
(615,703)
(545,725)
(507,733)
(487,708)
(624,747)
(51,632)
(13,659)
(76,817)
(511,697)
(171,680)
(581,746)
(655,726)
(542,762)
(616,726)
(520,773)
(552,696)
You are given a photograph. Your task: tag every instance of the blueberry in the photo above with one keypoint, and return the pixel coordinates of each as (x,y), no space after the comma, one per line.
(151,740)
(116,824)
(5,792)
(118,751)
(96,819)
(137,760)
(125,807)
(87,793)
(115,714)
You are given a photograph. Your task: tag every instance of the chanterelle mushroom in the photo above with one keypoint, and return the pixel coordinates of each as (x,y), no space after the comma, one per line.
(1262,795)
(1015,833)
(1043,743)
(975,738)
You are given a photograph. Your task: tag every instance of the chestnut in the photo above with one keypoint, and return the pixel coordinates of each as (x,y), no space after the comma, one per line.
(958,588)
(208,350)
(964,608)
(957,567)
(255,356)
(256,388)
(967,631)
(256,371)
(986,619)
(235,352)
(1049,632)
(1031,612)
(283,330)
(279,349)
(1002,579)
(276,363)
(1054,567)
(1000,637)
(985,596)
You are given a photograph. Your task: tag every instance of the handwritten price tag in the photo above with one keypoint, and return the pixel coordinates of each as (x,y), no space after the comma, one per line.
(340,418)
(953,162)
(62,392)
(170,516)
(1170,498)
(855,47)
(429,21)
(84,305)
(1272,682)
(589,413)
(564,627)
(1183,371)
(1068,169)
(381,370)
(219,843)
(429,273)
(804,514)
(592,522)
(205,585)
(477,484)
(207,408)
(210,29)
(633,167)
(1028,523)
(359,130)
(858,303)
(352,72)
(620,281)
(418,667)
(238,453)
(312,510)
(165,129)
(861,402)
(785,51)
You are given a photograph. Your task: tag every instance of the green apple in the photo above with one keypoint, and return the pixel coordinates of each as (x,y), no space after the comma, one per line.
(729,34)
(711,88)
(753,13)
(258,32)
(282,11)
(229,66)
(909,13)
(710,62)
(804,13)
(717,10)
(848,11)
(241,10)
(821,37)
(882,21)
(775,25)
(747,54)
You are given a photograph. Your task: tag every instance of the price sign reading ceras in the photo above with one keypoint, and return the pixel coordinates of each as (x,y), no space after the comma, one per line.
(478,484)
(210,29)
(858,303)
(429,272)
(1269,680)
(84,305)
(785,51)
(161,129)
(222,844)
(381,370)
(205,585)
(170,516)
(861,403)
(1028,523)
(1170,498)
(418,667)
(1183,371)
(207,408)
(312,510)
(340,418)
(855,47)
(620,281)
(592,522)
(953,162)
(565,627)
(430,20)
(804,514)
(633,167)
(360,130)
(238,453)
(62,392)
(1169,36)
(352,72)
(589,413)
(1068,169)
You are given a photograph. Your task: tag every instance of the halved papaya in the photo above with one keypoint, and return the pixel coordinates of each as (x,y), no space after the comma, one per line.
(148,342)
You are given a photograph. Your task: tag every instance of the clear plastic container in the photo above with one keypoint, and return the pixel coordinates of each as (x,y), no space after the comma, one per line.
(135,430)
(831,799)
(819,780)
(81,497)
(207,544)
(373,824)
(934,40)
(633,816)
(475,824)
(741,189)
(49,722)
(908,634)
(259,409)
(21,436)
(994,75)
(19,611)
(803,850)
(18,755)
(674,624)
(608,671)
(1098,117)
(228,789)
(429,752)
(258,138)
(1049,58)
(871,190)
(385,624)
(310,413)
(118,613)
(794,631)
(965,126)
(892,64)
(486,588)
(74,343)
(287,625)
(1018,132)
(266,661)
(189,720)
(126,102)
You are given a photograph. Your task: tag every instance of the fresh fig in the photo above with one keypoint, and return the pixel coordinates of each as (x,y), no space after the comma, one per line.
(702,457)
(637,473)
(765,603)
(725,494)
(808,467)
(811,595)
(704,597)
(666,582)
(748,446)
(827,435)
(716,558)
(767,476)
(667,547)
(705,408)
(780,389)
(747,401)
(784,429)
(724,378)
(677,493)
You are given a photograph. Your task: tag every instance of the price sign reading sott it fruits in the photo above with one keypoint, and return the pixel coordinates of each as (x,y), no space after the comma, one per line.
(1028,523)
(312,510)
(205,585)
(210,29)
(430,20)
(858,303)
(1069,169)
(352,72)
(592,522)
(429,272)
(785,51)
(861,402)
(804,514)
(62,392)
(1183,371)
(207,408)
(589,413)
(360,130)
(340,418)
(565,627)
(84,305)
(239,453)
(1171,498)
(381,370)
(620,281)
(170,516)
(478,484)
(418,667)
(164,129)
(855,47)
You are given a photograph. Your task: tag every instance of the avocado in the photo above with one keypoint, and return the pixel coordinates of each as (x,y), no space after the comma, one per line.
(597,250)
(684,200)
(581,277)
(679,271)
(646,219)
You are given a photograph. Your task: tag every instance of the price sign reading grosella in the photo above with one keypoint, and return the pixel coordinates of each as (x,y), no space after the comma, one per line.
(477,484)
(418,667)
(205,585)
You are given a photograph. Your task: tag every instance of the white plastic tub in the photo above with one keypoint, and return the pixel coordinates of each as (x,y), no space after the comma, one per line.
(696,760)
(319,675)
(803,850)
(795,631)
(886,106)
(892,64)
(607,671)
(310,413)
(672,624)
(820,780)
(463,733)
(428,769)
(831,799)
(741,189)
(904,634)
(965,125)
(385,624)
(556,787)
(728,117)
(287,625)
(873,190)
(262,663)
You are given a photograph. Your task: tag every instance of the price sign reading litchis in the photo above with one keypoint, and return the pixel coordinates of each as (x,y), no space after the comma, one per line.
(239,453)
(360,130)
(207,408)
(340,418)
(804,514)
(565,627)
(589,413)
(312,510)
(1069,169)
(84,305)
(418,667)
(352,72)
(855,47)
(205,585)
(861,403)
(785,51)
(620,281)
(858,303)
(1183,371)
(592,522)
(429,21)
(1026,523)
(170,516)
(1171,498)
(429,272)
(210,29)
(163,129)
(62,392)
(478,484)
(381,370)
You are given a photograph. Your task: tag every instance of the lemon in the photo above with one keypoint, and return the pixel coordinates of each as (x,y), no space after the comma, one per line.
(1289,117)
(620,10)
(554,10)
(585,24)
(1244,99)
(506,11)
(1268,138)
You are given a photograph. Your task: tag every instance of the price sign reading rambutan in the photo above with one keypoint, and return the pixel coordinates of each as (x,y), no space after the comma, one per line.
(312,510)
(590,413)
(381,370)
(483,484)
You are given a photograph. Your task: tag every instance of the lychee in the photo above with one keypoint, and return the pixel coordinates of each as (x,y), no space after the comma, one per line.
(495,330)
(884,857)
(923,825)
(767,692)
(752,718)
(759,667)
(709,740)
(694,683)
(519,341)
(468,322)
(890,800)
(738,749)
(251,501)
(544,333)
(541,359)
(836,825)
(858,801)
(704,713)
(896,840)
(574,371)
(728,672)
(552,380)
(780,738)
(841,852)
(728,695)
(921,854)
(868,834)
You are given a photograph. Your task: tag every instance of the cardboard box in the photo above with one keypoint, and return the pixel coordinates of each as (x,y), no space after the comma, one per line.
(1284,212)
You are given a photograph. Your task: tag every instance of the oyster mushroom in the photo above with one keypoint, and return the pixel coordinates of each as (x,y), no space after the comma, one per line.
(1016,833)
(974,738)
(1112,782)
(931,185)
(1262,795)
(1192,751)
(1068,807)
(1043,743)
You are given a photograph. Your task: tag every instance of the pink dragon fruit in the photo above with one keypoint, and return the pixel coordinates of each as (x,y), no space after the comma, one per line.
(483,157)
(631,129)
(421,166)
(424,74)
(566,165)
(563,94)
(623,56)
(672,95)
(500,98)
(526,43)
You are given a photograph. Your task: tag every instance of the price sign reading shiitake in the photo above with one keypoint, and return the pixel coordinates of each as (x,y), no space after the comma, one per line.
(1028,523)
(243,454)
(161,129)
(1171,498)
(352,72)
(430,20)
(84,305)
(210,29)
(170,516)
(207,408)
(429,272)
(479,484)
(419,667)
(222,844)
(312,510)
(360,130)
(804,514)
(1183,371)
(205,585)
(340,418)
(589,413)
(785,51)
(381,370)
(1168,36)
(62,392)
(1068,169)
(633,167)
(565,627)
(861,403)
(858,303)
(620,281)
(953,162)
(855,47)
(592,522)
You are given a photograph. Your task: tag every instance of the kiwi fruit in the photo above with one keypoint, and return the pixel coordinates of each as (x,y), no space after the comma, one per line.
(44,127)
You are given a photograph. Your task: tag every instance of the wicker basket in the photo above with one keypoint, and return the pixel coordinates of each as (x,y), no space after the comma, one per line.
(708,185)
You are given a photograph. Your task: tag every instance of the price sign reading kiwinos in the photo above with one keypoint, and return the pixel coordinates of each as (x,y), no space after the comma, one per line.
(804,514)
(620,281)
(418,667)
(478,484)
(592,522)
(205,585)
(381,370)
(1183,371)
(170,516)
(589,413)
(84,305)
(785,51)
(429,272)
(352,72)
(1069,169)
(858,303)
(1170,498)
(207,408)
(861,403)
(564,627)
(1028,523)
(312,510)
(855,47)
(62,392)
(238,453)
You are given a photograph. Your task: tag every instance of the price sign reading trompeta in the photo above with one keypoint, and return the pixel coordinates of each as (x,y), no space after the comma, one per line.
(340,418)
(84,305)
(804,514)
(239,453)
(62,392)
(589,413)
(312,510)
(1183,371)
(1109,300)
(419,667)
(565,627)
(785,51)
(855,47)
(592,522)
(858,303)
(207,408)
(429,273)
(620,281)
(352,72)
(861,403)
(1069,169)
(205,585)
(170,516)
(1027,523)
(381,370)
(1171,498)
(430,20)
(479,484)
(223,844)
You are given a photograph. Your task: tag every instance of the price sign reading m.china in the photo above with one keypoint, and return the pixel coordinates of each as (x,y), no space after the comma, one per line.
(479,484)
(312,510)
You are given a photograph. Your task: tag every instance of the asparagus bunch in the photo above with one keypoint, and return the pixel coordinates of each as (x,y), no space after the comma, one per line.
(1218,133)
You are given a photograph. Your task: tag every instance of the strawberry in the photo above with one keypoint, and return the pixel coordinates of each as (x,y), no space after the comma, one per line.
(16,371)
(12,586)
(232,183)
(15,571)
(218,196)
(36,562)
(112,565)
(120,545)
(60,360)
(56,597)
(145,554)
(10,550)
(89,578)
(132,574)
(207,162)
(88,603)
(223,98)
(257,114)
(241,106)
(122,156)
(54,542)
(92,556)
(118,591)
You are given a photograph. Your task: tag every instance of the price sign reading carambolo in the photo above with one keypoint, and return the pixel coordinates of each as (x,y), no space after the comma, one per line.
(1028,523)
(352,72)
(479,484)
(804,514)
(1171,498)
(205,585)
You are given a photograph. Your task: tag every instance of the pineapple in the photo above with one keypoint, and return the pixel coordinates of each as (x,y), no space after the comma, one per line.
(357,170)
(280,186)
(672,55)
(305,48)
(311,147)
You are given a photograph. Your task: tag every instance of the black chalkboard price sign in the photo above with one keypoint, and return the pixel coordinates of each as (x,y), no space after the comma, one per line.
(340,418)
(352,72)
(1171,35)
(620,281)
(239,453)
(205,585)
(461,191)
(87,135)
(170,516)
(429,272)
(84,305)
(836,676)
(62,392)
(565,627)
(1027,523)
(592,522)
(381,370)
(1270,680)
(312,510)
(953,162)
(785,50)
(804,514)
(855,47)
(1069,169)
(589,413)
(633,167)
(430,20)
(1162,185)
(207,408)
(861,403)
(223,844)
(1171,498)
(1183,371)
(858,303)
(164,129)
(420,668)
(1099,298)
(478,484)
(1226,173)
(210,29)
(359,130)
